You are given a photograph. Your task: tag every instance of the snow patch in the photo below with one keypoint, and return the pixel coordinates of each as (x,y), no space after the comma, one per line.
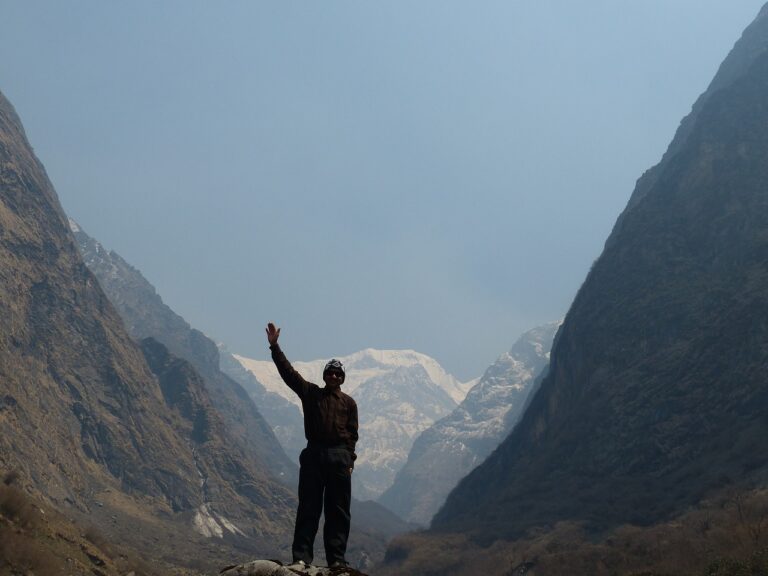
(206,524)
(212,525)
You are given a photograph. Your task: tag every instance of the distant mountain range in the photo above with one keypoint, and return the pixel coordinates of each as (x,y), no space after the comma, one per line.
(399,394)
(449,449)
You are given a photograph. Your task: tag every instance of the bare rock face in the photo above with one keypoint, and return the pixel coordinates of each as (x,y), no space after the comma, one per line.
(146,316)
(71,378)
(448,450)
(271,568)
(115,434)
(656,394)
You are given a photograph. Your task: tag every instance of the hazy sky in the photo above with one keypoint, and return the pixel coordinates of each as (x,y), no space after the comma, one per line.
(434,175)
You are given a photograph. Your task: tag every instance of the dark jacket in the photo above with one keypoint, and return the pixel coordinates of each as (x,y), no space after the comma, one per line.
(330,416)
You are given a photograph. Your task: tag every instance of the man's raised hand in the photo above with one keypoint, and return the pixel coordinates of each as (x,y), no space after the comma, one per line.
(273,334)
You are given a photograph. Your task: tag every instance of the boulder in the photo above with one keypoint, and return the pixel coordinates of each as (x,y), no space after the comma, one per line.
(273,568)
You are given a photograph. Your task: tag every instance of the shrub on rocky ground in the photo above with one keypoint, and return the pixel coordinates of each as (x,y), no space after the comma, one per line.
(757,565)
(16,506)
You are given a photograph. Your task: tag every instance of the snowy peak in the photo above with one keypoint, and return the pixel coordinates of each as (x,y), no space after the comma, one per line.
(371,363)
(513,371)
(360,367)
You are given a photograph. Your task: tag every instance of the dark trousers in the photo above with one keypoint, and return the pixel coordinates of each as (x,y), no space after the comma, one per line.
(324,479)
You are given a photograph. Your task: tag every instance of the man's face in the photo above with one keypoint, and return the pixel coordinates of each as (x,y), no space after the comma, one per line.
(333,378)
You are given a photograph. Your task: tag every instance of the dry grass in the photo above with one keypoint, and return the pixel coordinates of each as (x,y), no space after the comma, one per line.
(727,536)
(10,478)
(17,507)
(21,551)
(21,555)
(36,540)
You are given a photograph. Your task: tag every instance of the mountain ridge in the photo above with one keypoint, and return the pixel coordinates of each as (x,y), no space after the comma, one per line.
(452,446)
(84,421)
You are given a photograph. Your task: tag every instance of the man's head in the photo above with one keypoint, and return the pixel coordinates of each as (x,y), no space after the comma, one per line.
(333,373)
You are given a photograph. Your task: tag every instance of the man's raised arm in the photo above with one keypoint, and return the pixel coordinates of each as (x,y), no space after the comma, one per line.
(287,373)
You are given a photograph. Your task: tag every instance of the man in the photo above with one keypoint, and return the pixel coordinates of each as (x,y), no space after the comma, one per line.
(325,477)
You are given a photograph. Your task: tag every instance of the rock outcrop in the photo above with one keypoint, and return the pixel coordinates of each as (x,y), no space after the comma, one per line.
(272,568)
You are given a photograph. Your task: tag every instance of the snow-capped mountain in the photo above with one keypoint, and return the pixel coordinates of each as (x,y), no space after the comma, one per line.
(454,445)
(361,367)
(399,394)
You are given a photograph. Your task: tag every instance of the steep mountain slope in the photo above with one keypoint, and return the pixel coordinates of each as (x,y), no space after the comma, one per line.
(225,470)
(656,393)
(450,448)
(64,356)
(82,417)
(146,315)
(399,393)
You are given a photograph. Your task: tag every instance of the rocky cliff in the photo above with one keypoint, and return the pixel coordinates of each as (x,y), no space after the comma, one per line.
(656,392)
(83,419)
(70,373)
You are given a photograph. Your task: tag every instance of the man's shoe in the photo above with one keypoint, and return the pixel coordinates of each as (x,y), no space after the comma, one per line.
(298,565)
(338,564)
